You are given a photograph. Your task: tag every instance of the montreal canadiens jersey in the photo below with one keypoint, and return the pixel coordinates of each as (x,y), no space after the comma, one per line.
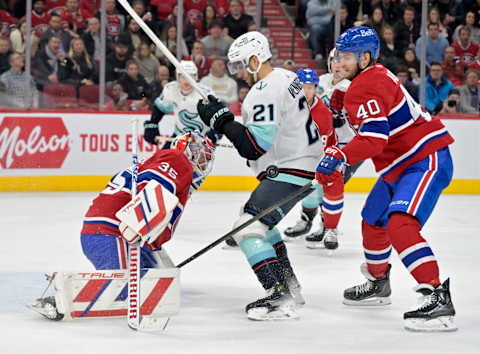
(322,116)
(393,130)
(184,107)
(277,116)
(170,168)
(325,89)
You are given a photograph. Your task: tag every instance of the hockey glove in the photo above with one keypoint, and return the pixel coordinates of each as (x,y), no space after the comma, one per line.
(151,126)
(333,160)
(214,113)
(336,101)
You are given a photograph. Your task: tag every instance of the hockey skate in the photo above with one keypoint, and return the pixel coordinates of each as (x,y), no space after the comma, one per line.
(330,239)
(436,314)
(315,239)
(277,305)
(375,292)
(300,228)
(295,290)
(46,307)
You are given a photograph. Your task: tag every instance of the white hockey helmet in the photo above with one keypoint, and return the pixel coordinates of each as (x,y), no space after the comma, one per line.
(332,56)
(190,68)
(246,46)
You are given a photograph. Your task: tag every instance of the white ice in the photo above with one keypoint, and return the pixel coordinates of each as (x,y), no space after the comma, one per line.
(40,233)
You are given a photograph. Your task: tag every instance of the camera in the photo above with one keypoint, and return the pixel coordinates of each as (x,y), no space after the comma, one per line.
(451,103)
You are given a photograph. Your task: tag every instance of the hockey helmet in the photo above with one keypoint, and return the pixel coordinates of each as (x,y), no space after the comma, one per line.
(308,76)
(200,151)
(246,46)
(359,40)
(332,58)
(190,68)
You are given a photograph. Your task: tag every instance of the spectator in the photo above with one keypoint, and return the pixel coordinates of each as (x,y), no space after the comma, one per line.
(73,17)
(469,95)
(84,71)
(344,25)
(40,18)
(7,23)
(51,66)
(215,44)
(236,21)
(118,100)
(158,83)
(435,45)
(56,6)
(147,63)
(202,62)
(376,21)
(437,88)
(465,49)
(434,17)
(55,29)
(406,30)
(136,36)
(452,103)
(171,42)
(164,8)
(402,73)
(91,38)
(116,61)
(225,88)
(391,11)
(236,107)
(209,15)
(193,20)
(453,70)
(413,65)
(5,53)
(133,83)
(470,23)
(389,52)
(115,21)
(14,82)
(289,64)
(18,39)
(148,17)
(188,28)
(475,64)
(319,13)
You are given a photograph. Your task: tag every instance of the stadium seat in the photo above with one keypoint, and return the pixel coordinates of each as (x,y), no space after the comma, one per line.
(59,96)
(89,96)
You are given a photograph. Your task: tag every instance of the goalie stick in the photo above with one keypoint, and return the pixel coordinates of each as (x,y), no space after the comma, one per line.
(133,314)
(249,222)
(161,46)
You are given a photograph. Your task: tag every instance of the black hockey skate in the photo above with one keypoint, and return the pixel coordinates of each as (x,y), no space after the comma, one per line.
(47,307)
(375,292)
(300,228)
(315,239)
(436,314)
(277,305)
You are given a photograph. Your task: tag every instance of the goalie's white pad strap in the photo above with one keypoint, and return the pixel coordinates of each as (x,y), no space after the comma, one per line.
(103,294)
(148,214)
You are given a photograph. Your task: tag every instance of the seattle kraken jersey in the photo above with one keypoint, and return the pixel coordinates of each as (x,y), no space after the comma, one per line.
(325,89)
(184,107)
(276,114)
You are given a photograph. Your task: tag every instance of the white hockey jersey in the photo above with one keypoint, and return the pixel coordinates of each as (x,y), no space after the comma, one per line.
(276,114)
(184,107)
(325,89)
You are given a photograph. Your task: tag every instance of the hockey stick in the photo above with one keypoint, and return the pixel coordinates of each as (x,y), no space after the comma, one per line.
(133,316)
(161,46)
(249,222)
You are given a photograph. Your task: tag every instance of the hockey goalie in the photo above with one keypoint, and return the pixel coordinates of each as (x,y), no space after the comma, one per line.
(114,220)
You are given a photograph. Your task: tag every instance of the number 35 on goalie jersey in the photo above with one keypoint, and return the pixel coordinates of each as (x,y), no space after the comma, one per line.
(170,168)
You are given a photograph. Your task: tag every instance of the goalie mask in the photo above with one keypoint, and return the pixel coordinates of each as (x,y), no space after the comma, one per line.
(246,46)
(200,151)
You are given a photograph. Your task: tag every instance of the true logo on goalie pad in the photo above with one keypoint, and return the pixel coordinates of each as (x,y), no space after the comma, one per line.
(104,294)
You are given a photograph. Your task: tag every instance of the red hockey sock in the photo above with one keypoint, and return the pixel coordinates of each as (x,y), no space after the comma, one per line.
(413,250)
(332,203)
(377,249)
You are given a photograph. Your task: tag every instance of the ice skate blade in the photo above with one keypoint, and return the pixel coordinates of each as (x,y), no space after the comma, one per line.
(439,324)
(314,245)
(291,238)
(279,314)
(374,301)
(230,248)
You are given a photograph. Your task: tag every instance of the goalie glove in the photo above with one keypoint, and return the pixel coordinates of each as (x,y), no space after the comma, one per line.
(146,216)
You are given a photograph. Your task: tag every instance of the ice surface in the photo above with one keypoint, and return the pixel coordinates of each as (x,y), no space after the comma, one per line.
(40,233)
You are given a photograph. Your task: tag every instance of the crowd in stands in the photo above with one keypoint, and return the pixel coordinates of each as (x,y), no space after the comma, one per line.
(66,47)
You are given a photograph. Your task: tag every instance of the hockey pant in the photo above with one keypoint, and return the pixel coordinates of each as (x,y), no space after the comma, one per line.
(394,214)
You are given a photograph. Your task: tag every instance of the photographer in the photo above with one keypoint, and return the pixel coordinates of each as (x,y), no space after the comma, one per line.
(452,103)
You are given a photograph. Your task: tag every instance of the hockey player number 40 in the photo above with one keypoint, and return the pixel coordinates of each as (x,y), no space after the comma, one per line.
(372,107)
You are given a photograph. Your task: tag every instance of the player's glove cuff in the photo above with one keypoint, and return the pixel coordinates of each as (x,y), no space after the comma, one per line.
(150,132)
(214,113)
(334,159)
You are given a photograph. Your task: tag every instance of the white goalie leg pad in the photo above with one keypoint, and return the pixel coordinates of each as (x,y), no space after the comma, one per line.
(147,215)
(103,294)
(256,229)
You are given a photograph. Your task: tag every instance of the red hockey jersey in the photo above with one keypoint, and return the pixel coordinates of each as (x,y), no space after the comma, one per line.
(170,168)
(393,130)
(322,116)
(76,19)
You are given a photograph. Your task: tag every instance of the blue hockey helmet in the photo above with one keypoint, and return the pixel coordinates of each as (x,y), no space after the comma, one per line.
(359,40)
(307,76)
